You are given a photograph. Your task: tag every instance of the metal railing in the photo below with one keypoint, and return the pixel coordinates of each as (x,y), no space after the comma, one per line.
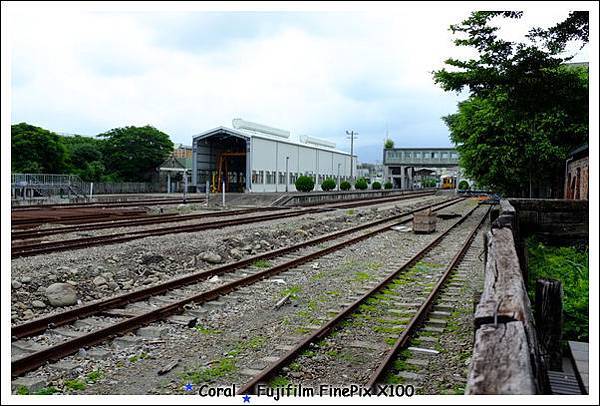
(46,185)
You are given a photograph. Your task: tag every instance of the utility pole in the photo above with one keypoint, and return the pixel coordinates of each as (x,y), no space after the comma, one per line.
(352,135)
(287,173)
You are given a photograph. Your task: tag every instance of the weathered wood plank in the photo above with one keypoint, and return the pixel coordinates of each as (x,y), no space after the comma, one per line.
(548,318)
(501,363)
(504,294)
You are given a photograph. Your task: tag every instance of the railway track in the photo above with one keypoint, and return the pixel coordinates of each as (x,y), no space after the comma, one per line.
(22,247)
(173,218)
(380,299)
(130,203)
(120,314)
(147,220)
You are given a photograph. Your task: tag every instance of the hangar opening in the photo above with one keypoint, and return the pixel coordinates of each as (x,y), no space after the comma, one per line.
(222,157)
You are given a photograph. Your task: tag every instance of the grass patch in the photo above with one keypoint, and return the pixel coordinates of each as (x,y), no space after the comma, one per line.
(279,381)
(317,277)
(74,384)
(138,357)
(261,263)
(21,390)
(350,212)
(570,266)
(94,376)
(295,367)
(362,276)
(219,369)
(207,331)
(50,390)
(293,291)
(308,353)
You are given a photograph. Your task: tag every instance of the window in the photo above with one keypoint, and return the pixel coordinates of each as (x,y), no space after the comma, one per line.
(453,155)
(257,177)
(444,155)
(270,177)
(407,154)
(282,178)
(436,155)
(417,155)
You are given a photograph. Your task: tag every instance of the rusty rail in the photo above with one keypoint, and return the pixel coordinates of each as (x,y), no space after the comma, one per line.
(59,351)
(275,367)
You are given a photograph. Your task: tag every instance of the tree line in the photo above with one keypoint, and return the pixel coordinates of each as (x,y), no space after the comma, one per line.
(527,106)
(126,154)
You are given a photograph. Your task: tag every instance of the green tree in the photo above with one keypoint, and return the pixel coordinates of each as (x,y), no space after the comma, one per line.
(526,108)
(92,171)
(84,153)
(133,153)
(304,183)
(388,144)
(36,150)
(361,184)
(328,184)
(345,185)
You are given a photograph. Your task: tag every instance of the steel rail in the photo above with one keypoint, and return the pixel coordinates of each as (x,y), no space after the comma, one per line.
(423,310)
(130,203)
(133,222)
(149,220)
(62,245)
(276,366)
(36,248)
(39,325)
(56,352)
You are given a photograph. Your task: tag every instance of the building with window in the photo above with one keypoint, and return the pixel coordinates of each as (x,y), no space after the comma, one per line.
(253,157)
(400,164)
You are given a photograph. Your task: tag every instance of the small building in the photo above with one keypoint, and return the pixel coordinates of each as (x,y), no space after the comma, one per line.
(172,174)
(252,157)
(577,168)
(400,164)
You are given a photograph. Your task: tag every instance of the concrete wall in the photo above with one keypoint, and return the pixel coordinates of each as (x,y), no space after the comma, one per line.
(553,220)
(269,156)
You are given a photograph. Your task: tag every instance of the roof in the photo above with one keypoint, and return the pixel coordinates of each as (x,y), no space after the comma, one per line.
(246,134)
(582,150)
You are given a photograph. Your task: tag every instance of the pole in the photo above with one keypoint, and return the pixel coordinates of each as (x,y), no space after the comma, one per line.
(168,183)
(207,193)
(338,182)
(352,135)
(287,173)
(91,189)
(185,186)
(223,192)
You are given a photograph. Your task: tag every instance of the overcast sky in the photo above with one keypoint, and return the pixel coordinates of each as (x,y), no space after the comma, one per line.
(314,73)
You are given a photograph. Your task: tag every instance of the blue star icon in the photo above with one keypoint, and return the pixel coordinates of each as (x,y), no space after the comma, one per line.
(188,387)
(246,399)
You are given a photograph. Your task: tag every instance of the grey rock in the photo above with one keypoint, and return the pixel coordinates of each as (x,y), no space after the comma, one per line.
(113,285)
(38,304)
(32,384)
(212,258)
(16,284)
(99,281)
(61,294)
(235,253)
(25,279)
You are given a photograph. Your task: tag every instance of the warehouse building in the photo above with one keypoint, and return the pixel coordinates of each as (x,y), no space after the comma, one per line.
(252,157)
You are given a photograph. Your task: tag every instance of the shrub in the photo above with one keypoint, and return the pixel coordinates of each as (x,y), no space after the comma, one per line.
(570,265)
(361,184)
(388,185)
(388,144)
(376,186)
(328,184)
(345,185)
(305,184)
(463,185)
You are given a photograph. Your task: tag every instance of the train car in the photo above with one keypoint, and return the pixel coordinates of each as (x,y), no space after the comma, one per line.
(448,182)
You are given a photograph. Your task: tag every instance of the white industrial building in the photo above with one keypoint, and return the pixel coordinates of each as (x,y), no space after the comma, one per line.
(258,158)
